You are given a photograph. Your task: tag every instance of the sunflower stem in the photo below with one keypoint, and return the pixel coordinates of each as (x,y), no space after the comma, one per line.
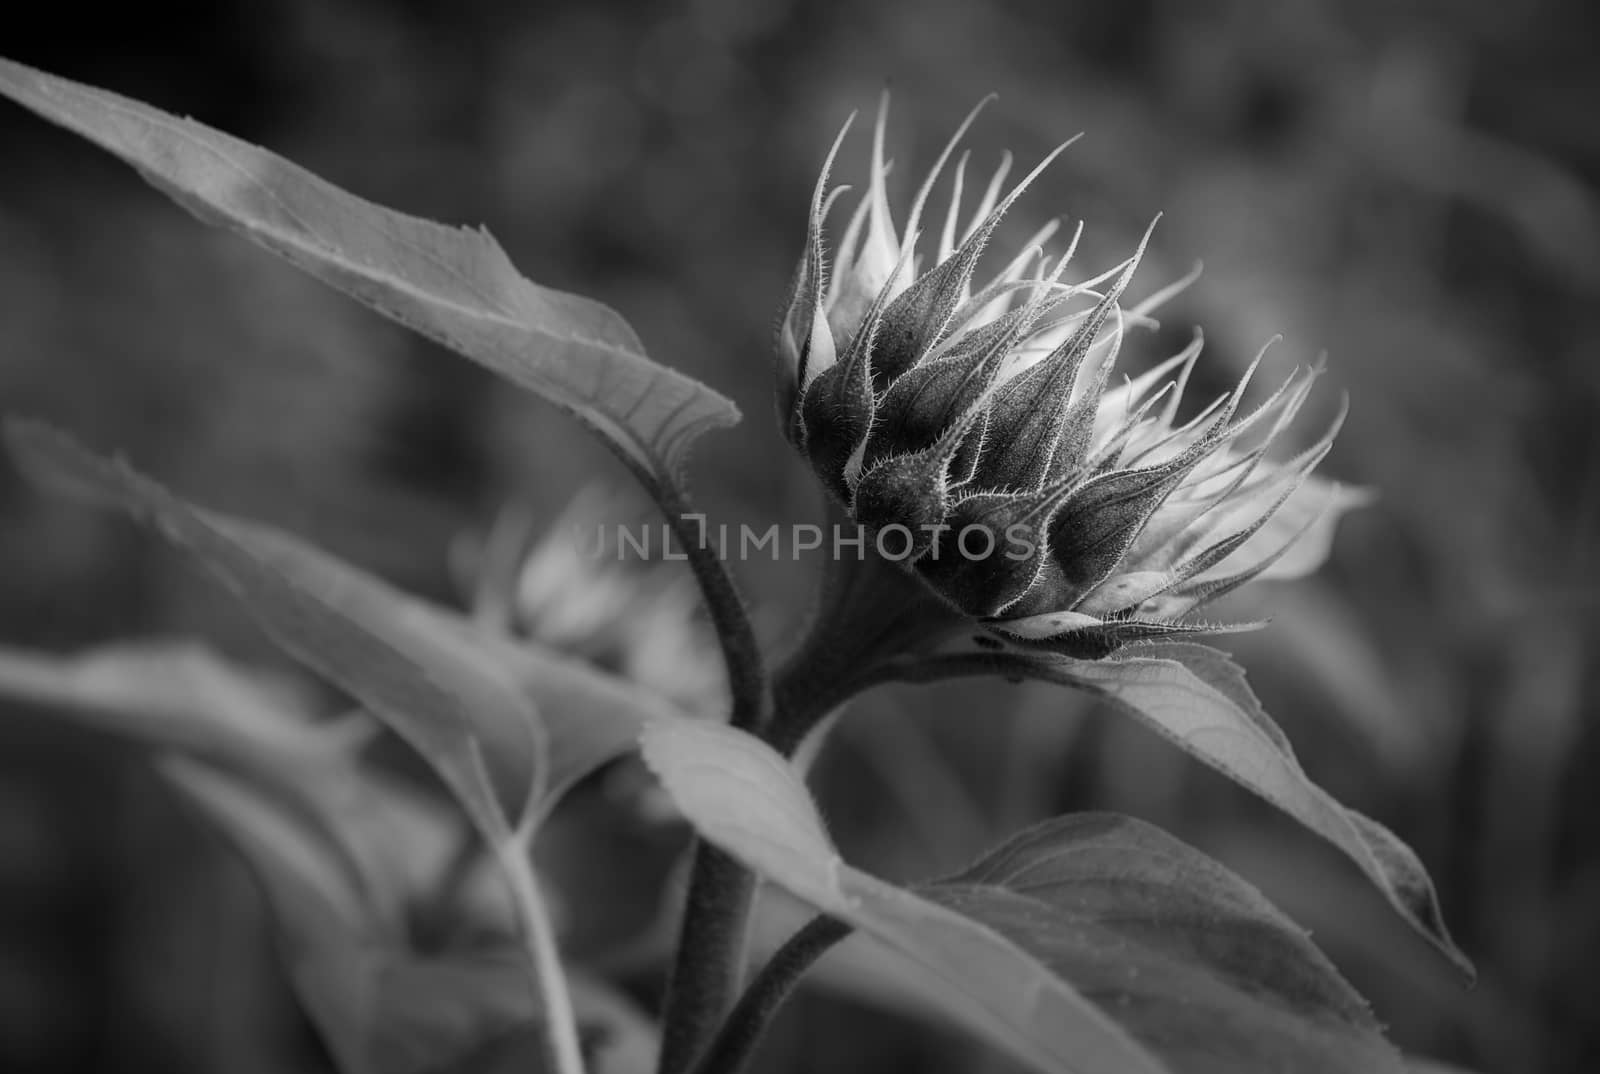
(744,1028)
(708,969)
(741,653)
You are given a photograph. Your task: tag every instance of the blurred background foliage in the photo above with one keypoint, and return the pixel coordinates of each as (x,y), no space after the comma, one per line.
(1407,186)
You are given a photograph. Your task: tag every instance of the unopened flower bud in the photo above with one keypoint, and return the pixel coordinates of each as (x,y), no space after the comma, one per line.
(976,416)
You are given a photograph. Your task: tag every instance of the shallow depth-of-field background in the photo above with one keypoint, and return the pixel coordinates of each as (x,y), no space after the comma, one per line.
(1409,187)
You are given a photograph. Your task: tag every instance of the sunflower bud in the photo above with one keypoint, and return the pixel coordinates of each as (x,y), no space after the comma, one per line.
(975,416)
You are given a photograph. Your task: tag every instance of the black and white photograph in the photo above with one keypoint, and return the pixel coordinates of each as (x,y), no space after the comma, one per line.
(734,536)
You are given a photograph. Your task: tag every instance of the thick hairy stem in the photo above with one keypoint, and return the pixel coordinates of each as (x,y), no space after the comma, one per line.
(871,610)
(709,967)
(747,677)
(867,607)
(710,963)
(760,1004)
(815,682)
(709,970)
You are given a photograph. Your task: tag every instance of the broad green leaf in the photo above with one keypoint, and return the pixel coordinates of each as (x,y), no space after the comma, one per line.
(746,799)
(1088,943)
(866,971)
(453,285)
(1197,698)
(1196,962)
(590,716)
(468,720)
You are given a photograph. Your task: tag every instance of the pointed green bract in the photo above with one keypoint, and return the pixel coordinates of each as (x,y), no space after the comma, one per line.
(928,398)
(1030,410)
(990,577)
(1101,519)
(453,285)
(911,491)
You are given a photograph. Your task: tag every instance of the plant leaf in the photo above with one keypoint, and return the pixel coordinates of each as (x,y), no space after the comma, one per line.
(1090,942)
(745,798)
(468,720)
(1198,698)
(1189,957)
(588,716)
(454,285)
